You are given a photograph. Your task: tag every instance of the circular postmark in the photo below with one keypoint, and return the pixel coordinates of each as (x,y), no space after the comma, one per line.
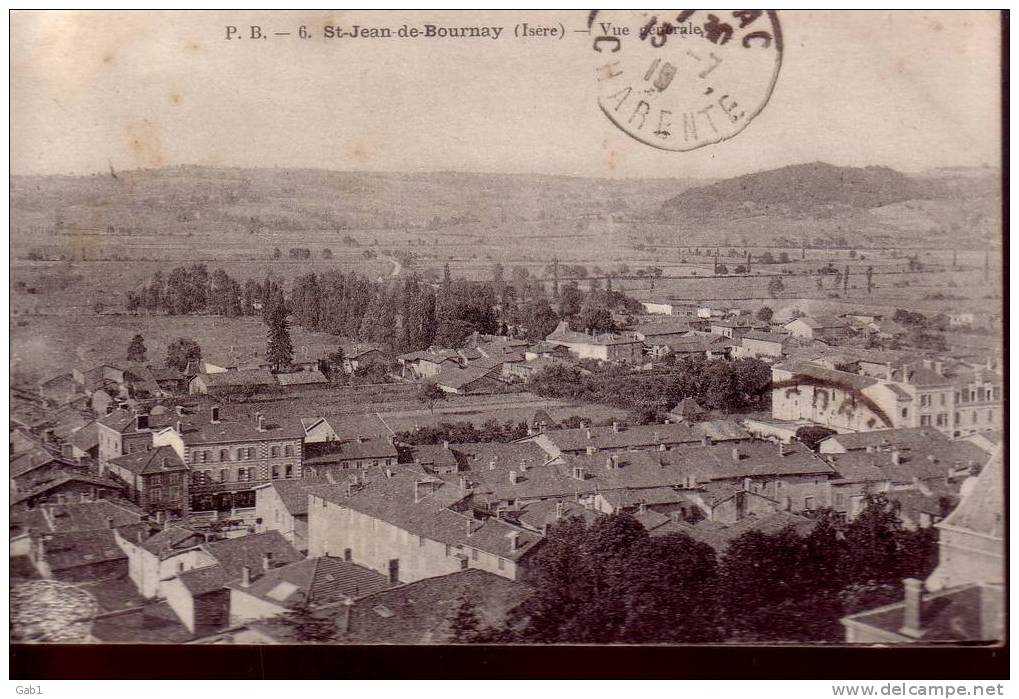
(683,79)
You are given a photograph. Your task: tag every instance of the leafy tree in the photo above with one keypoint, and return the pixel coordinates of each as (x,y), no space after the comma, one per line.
(327,254)
(570,301)
(309,628)
(765,313)
(136,350)
(180,352)
(597,319)
(783,257)
(538,319)
(279,350)
(464,625)
(429,393)
(775,286)
(812,435)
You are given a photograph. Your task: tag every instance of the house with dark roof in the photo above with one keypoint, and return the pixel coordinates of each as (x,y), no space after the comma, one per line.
(360,452)
(34,465)
(311,584)
(416,613)
(619,437)
(197,589)
(472,380)
(65,486)
(411,525)
(251,380)
(146,551)
(822,327)
(608,347)
(282,506)
(155,480)
(229,452)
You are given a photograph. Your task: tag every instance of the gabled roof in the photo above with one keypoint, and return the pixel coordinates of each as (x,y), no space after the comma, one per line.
(718,535)
(293,493)
(300,378)
(158,460)
(832,376)
(172,538)
(457,378)
(33,458)
(240,377)
(85,438)
(61,478)
(314,582)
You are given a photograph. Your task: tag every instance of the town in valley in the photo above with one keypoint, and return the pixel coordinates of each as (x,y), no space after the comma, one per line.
(277,406)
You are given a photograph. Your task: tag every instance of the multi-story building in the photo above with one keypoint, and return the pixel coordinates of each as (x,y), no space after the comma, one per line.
(608,347)
(229,456)
(125,432)
(911,395)
(156,480)
(410,525)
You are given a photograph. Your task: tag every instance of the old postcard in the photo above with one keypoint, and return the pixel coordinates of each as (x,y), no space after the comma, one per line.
(506,327)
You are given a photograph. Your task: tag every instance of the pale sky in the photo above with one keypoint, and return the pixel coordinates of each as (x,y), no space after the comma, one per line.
(911,90)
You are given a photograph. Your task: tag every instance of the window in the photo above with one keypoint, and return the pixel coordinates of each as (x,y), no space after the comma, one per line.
(173,478)
(157,494)
(905,412)
(925,420)
(223,475)
(502,564)
(203,456)
(925,400)
(778,485)
(990,416)
(941,419)
(808,503)
(840,500)
(288,450)
(974,417)
(224,454)
(175,492)
(289,471)
(474,554)
(421,541)
(242,474)
(274,451)
(275,472)
(448,549)
(941,399)
(981,394)
(156,480)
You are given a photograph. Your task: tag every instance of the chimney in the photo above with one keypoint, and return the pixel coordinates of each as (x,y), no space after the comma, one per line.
(215,414)
(140,536)
(610,463)
(911,613)
(180,427)
(343,618)
(560,509)
(661,447)
(261,422)
(578,473)
(491,465)
(588,429)
(266,561)
(109,409)
(523,465)
(706,440)
(463,483)
(735,454)
(514,539)
(590,450)
(66,450)
(513,477)
(896,457)
(445,444)
(246,576)
(781,448)
(179,409)
(615,425)
(109,522)
(165,462)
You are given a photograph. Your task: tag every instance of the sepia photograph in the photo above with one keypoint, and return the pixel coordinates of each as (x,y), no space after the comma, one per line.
(506,329)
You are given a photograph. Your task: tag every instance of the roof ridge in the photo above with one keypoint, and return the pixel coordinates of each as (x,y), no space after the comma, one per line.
(311,579)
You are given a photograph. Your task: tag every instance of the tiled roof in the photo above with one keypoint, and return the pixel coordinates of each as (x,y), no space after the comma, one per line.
(296,378)
(635,436)
(832,376)
(336,452)
(158,460)
(418,613)
(564,335)
(234,554)
(240,377)
(201,581)
(65,550)
(60,478)
(85,438)
(540,513)
(294,493)
(314,582)
(199,429)
(172,537)
(457,378)
(33,458)
(83,516)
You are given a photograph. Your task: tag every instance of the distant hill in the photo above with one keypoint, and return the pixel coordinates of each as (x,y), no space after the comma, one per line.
(817,190)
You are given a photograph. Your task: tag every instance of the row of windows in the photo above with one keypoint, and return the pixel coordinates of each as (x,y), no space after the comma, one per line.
(978,394)
(156,494)
(242,453)
(168,478)
(243,475)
